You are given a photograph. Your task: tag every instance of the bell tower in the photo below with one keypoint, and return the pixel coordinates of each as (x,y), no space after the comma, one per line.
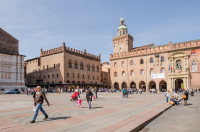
(123,42)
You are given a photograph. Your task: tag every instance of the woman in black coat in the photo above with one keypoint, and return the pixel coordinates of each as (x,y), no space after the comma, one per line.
(89,95)
(185,99)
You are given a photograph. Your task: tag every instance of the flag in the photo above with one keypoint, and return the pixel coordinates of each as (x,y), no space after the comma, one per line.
(169,68)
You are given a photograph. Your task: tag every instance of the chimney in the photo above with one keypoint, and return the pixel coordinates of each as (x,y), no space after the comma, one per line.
(63,46)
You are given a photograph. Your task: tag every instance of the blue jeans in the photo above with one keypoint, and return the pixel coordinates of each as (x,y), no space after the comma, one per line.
(89,103)
(39,107)
(167,99)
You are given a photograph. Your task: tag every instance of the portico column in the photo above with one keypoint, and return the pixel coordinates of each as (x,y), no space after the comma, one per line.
(157,87)
(147,87)
(187,83)
(169,84)
(184,83)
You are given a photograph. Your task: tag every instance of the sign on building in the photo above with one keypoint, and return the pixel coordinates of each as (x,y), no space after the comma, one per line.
(157,76)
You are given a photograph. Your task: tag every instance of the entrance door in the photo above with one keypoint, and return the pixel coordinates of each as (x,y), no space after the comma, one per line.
(178,83)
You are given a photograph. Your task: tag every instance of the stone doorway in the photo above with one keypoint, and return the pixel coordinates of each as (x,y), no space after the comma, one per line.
(178,83)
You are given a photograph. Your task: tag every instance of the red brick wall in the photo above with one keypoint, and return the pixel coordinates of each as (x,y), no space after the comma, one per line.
(8,44)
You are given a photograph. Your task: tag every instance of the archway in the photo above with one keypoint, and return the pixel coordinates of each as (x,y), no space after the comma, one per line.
(73,81)
(67,81)
(124,85)
(178,83)
(142,86)
(163,86)
(152,85)
(133,85)
(116,86)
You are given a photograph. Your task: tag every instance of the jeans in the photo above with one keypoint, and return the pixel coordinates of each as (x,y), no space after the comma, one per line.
(39,107)
(89,103)
(167,99)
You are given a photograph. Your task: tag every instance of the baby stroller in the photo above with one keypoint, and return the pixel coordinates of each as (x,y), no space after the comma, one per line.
(74,96)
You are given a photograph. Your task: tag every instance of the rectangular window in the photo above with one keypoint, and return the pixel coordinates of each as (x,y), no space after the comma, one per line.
(67,75)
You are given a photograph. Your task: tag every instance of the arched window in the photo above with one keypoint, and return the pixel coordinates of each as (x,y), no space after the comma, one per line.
(81,66)
(115,74)
(115,64)
(141,72)
(151,60)
(162,59)
(123,73)
(141,61)
(88,67)
(97,68)
(194,67)
(93,68)
(131,63)
(76,65)
(163,70)
(123,32)
(69,64)
(132,72)
(123,64)
(152,71)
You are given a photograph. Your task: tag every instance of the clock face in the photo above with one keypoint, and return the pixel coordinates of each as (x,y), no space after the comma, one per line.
(120,48)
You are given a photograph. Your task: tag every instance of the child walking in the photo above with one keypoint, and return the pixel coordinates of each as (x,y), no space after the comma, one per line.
(79,101)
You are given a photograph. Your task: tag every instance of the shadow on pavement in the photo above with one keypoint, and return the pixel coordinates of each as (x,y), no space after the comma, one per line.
(54,118)
(92,107)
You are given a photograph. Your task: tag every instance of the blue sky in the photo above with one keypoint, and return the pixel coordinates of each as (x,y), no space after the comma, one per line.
(91,24)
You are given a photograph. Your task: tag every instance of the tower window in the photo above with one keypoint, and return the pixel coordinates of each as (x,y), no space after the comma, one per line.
(151,60)
(141,61)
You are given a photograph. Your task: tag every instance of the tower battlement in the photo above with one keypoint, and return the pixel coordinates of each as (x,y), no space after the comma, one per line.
(153,49)
(70,50)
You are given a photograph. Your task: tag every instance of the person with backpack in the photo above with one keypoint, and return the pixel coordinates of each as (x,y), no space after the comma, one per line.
(89,96)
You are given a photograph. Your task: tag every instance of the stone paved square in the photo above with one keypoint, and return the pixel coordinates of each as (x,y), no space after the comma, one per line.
(110,112)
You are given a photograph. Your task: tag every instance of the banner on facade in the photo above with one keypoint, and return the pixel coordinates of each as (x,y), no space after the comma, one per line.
(157,76)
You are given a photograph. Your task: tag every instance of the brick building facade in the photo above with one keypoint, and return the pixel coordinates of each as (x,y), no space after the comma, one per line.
(11,62)
(64,66)
(105,75)
(170,66)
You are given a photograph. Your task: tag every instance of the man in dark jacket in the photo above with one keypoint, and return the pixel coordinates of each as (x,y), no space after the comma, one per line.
(89,95)
(38,101)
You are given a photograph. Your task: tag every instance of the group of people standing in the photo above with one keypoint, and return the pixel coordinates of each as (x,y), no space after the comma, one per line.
(174,99)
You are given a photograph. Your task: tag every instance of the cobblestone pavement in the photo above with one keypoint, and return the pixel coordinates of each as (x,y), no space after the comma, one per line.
(110,112)
(178,118)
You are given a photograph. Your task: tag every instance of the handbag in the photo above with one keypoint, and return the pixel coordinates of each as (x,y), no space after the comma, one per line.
(34,108)
(171,102)
(184,96)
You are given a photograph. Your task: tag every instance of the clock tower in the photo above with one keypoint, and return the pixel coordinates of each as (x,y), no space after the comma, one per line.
(123,42)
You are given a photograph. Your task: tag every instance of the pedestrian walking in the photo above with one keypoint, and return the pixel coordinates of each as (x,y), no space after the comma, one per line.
(167,96)
(89,95)
(96,90)
(39,98)
(79,102)
(124,92)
